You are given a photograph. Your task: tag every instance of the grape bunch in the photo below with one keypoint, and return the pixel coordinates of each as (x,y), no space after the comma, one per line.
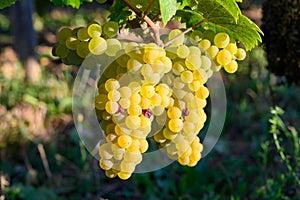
(148,92)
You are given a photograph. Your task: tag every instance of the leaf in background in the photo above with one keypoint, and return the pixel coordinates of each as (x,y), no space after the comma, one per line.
(168,9)
(73,3)
(6,3)
(190,17)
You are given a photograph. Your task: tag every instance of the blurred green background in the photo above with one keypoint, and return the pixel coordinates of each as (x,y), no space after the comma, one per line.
(41,156)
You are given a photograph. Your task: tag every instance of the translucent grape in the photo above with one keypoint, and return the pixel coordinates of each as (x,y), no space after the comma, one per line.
(204,44)
(111,107)
(232,48)
(183,51)
(187,76)
(178,67)
(105,164)
(113,95)
(134,109)
(178,41)
(174,112)
(195,37)
(113,46)
(240,54)
(111,84)
(111,29)
(63,35)
(97,46)
(231,67)
(133,122)
(133,65)
(147,91)
(125,92)
(72,42)
(100,101)
(124,141)
(221,40)
(94,30)
(224,57)
(124,175)
(205,62)
(212,51)
(82,34)
(134,147)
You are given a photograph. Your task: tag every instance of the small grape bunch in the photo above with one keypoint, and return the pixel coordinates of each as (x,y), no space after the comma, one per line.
(148,92)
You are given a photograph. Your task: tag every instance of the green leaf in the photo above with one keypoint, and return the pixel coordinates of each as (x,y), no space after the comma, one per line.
(6,3)
(74,3)
(190,17)
(168,9)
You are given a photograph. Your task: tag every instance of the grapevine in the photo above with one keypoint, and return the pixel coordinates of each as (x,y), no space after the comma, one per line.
(154,88)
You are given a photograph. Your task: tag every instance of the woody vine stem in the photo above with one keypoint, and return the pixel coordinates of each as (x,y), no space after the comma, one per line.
(155,27)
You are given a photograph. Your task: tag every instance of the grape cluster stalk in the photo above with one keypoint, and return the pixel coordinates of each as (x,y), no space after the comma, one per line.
(149,91)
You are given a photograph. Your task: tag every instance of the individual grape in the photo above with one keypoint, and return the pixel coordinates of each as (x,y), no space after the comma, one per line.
(158,110)
(187,76)
(112,84)
(205,62)
(183,51)
(174,112)
(133,65)
(147,91)
(105,164)
(124,141)
(167,64)
(221,40)
(72,43)
(134,109)
(212,51)
(135,98)
(82,49)
(193,62)
(105,151)
(178,67)
(194,51)
(202,93)
(145,121)
(165,101)
(133,157)
(195,37)
(126,166)
(62,51)
(174,33)
(224,57)
(231,67)
(168,79)
(133,122)
(200,75)
(110,173)
(143,145)
(155,100)
(159,137)
(204,45)
(215,67)
(113,95)
(133,49)
(188,127)
(157,67)
(100,101)
(232,48)
(124,175)
(146,70)
(169,134)
(162,89)
(94,30)
(178,83)
(179,93)
(63,35)
(134,147)
(113,46)
(195,85)
(152,79)
(97,46)
(124,102)
(240,54)
(111,107)
(111,29)
(175,125)
(82,34)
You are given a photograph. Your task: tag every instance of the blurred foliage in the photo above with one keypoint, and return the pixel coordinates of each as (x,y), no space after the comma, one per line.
(282,38)
(245,164)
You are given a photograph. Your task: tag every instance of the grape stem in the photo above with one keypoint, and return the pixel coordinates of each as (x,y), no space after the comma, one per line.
(184,32)
(139,13)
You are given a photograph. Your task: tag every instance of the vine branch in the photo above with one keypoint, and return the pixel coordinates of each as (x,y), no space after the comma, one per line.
(184,32)
(139,13)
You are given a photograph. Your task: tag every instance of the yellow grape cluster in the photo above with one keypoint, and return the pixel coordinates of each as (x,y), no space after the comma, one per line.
(74,45)
(150,92)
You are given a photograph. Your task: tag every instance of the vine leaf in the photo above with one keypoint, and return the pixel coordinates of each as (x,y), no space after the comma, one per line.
(223,16)
(73,3)
(6,3)
(168,9)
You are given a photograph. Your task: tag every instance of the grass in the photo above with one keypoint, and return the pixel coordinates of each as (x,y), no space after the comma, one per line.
(257,156)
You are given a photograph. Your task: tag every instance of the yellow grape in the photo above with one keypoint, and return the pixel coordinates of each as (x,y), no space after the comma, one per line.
(224,57)
(125,92)
(202,93)
(175,125)
(183,51)
(178,67)
(187,76)
(105,164)
(155,100)
(112,84)
(232,48)
(193,62)
(231,67)
(147,91)
(133,122)
(204,44)
(97,46)
(212,51)
(124,141)
(111,107)
(124,175)
(134,110)
(134,147)
(174,112)
(221,40)
(174,33)
(240,54)
(113,95)
(94,30)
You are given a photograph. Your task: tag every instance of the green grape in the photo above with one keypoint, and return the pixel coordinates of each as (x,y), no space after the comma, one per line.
(232,48)
(133,49)
(82,49)
(187,76)
(134,65)
(97,46)
(224,57)
(158,111)
(179,93)
(195,50)
(212,51)
(63,35)
(82,34)
(111,107)
(72,59)
(183,51)
(124,141)
(231,67)
(178,83)
(195,37)
(221,40)
(175,125)
(146,70)
(72,43)
(174,112)
(178,67)
(193,62)
(125,92)
(147,91)
(110,173)
(209,34)
(61,51)
(113,95)
(94,30)
(204,44)
(112,84)
(205,62)
(100,101)
(111,29)
(174,33)
(133,122)
(171,51)
(240,54)
(113,46)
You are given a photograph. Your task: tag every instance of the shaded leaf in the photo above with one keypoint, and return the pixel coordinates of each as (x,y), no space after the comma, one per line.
(168,9)
(6,3)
